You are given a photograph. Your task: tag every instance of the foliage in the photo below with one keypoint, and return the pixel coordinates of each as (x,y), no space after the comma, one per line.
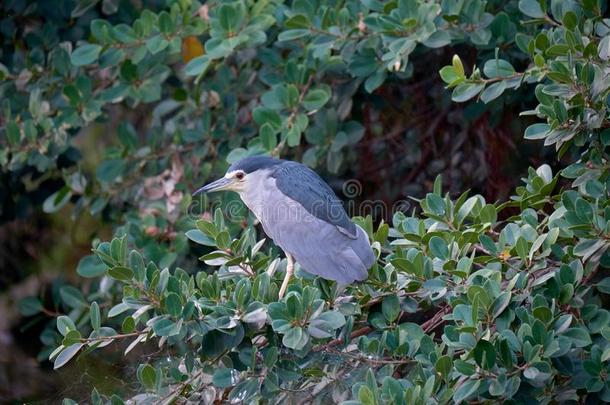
(470,300)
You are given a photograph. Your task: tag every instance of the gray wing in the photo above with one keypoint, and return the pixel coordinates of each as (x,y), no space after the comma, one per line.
(303,185)
(322,249)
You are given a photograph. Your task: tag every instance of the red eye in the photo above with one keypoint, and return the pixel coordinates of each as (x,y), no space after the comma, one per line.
(239,176)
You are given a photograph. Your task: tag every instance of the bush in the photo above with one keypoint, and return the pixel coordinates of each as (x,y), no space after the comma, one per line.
(470,300)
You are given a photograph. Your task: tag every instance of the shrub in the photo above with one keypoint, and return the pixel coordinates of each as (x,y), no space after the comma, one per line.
(470,300)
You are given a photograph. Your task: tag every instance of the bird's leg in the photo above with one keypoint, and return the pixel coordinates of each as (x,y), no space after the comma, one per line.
(289,271)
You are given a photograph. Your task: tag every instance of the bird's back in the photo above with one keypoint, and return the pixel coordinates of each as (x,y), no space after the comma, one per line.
(298,182)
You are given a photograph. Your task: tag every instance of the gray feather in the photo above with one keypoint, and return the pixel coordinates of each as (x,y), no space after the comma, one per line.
(322,249)
(302,184)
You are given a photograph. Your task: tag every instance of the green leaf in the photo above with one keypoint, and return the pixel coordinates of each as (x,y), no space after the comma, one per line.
(466,390)
(268,137)
(85,54)
(439,248)
(117,309)
(12,132)
(147,376)
(438,39)
(244,391)
(436,204)
(315,99)
(90,266)
(449,75)
(295,338)
(531,8)
(291,35)
(166,327)
(156,44)
(120,273)
(537,131)
(604,285)
(488,214)
(263,115)
(230,17)
(197,66)
(498,68)
(94,315)
(199,237)
(465,91)
(456,62)
(82,7)
(65,325)
(223,240)
(485,354)
(443,366)
(66,354)
(173,304)
(128,325)
(125,34)
(375,80)
(166,25)
(466,208)
(493,91)
(570,20)
(365,396)
(30,306)
(110,170)
(225,377)
(390,307)
(57,200)
(72,297)
(579,336)
(298,21)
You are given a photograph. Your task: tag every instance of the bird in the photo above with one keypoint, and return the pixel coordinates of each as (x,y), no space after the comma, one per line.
(302,215)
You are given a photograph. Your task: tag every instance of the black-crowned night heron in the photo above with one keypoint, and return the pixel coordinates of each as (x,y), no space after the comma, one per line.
(302,215)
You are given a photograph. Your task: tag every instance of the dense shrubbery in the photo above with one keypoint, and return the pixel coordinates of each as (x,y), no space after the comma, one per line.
(470,300)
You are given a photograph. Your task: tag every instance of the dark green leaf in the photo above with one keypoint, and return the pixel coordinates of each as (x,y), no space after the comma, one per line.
(225,377)
(390,307)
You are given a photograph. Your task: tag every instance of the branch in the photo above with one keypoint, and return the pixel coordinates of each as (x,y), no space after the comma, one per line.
(119,336)
(437,319)
(357,333)
(176,391)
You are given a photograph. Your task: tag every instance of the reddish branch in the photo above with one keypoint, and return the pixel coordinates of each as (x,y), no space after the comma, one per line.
(357,333)
(437,320)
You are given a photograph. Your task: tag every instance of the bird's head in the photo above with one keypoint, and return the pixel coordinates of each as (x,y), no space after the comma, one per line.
(237,176)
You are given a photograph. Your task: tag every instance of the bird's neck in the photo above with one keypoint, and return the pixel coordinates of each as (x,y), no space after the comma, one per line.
(256,193)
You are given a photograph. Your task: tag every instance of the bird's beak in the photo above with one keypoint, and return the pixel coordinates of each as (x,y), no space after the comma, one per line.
(218,185)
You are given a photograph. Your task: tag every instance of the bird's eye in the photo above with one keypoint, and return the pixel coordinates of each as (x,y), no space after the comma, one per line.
(239,175)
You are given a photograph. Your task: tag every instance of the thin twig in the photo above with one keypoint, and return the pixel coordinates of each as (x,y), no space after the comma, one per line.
(180,387)
(357,333)
(119,336)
